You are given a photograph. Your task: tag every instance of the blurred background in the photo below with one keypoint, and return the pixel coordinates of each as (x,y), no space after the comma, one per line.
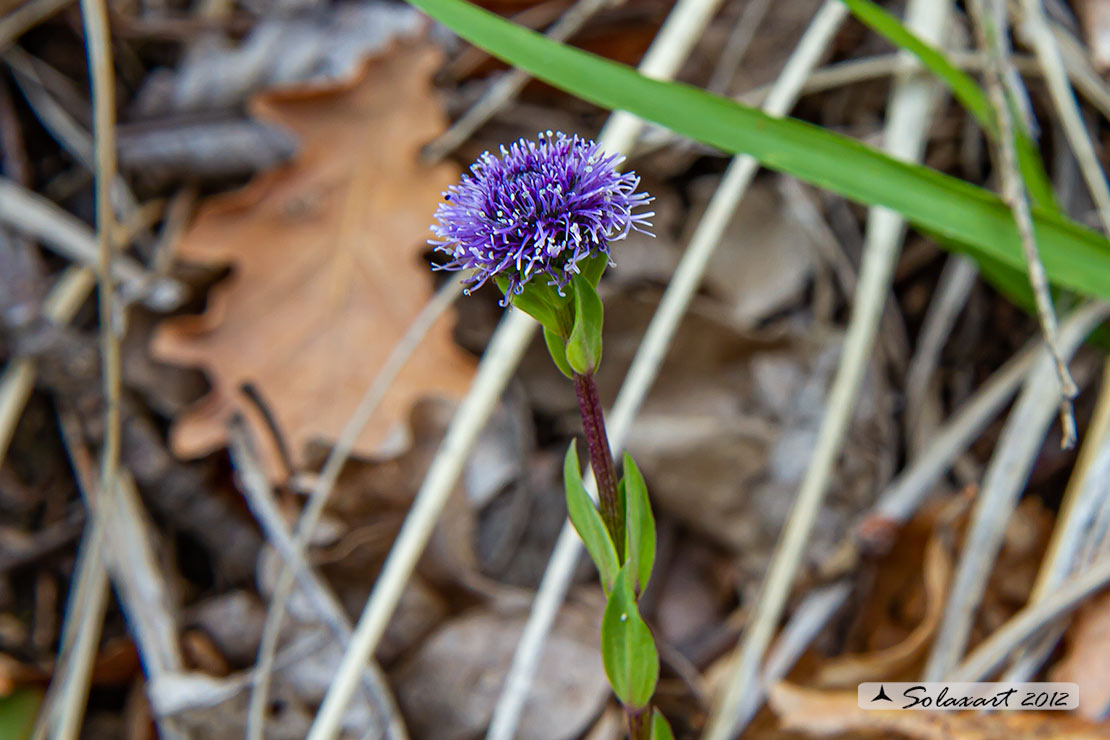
(267,179)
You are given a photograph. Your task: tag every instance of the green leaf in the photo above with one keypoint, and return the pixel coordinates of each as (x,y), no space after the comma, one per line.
(1074,256)
(966,90)
(639,524)
(584,344)
(660,728)
(627,647)
(594,267)
(542,303)
(587,521)
(558,349)
(17,713)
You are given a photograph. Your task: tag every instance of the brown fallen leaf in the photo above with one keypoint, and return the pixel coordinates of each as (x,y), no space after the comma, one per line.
(1086,660)
(822,713)
(327,272)
(849,670)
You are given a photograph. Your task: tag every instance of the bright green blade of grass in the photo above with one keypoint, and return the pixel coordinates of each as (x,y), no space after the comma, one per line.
(17,713)
(1074,257)
(965,89)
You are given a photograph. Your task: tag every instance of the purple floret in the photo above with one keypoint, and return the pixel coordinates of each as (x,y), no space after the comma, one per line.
(539,208)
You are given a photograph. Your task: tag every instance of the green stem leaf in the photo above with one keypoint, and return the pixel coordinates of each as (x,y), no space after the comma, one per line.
(584,344)
(627,647)
(587,521)
(639,524)
(660,728)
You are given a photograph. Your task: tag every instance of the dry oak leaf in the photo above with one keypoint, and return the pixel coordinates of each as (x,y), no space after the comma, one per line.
(822,713)
(326,272)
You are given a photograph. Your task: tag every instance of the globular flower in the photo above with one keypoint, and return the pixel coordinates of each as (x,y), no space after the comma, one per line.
(538,209)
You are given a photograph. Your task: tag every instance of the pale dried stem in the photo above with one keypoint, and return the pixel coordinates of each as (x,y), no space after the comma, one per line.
(1027,623)
(64,705)
(324,486)
(26,17)
(737,45)
(1084,496)
(1003,481)
(18,380)
(1037,29)
(907,123)
(256,489)
(62,719)
(990,27)
(671,46)
(955,284)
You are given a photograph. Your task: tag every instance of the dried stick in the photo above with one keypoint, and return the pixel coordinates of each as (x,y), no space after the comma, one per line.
(256,489)
(18,380)
(85,615)
(649,357)
(98,44)
(1037,29)
(338,457)
(1002,483)
(1085,494)
(675,38)
(986,658)
(737,46)
(509,85)
(956,282)
(990,26)
(26,17)
(37,218)
(64,707)
(907,122)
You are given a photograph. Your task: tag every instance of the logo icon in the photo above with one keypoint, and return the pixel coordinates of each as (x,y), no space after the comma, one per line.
(881,696)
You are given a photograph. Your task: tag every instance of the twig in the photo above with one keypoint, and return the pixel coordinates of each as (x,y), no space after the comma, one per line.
(1078,63)
(63,127)
(907,124)
(338,457)
(259,497)
(1029,621)
(1037,28)
(98,45)
(26,17)
(508,85)
(648,359)
(737,45)
(671,46)
(1003,481)
(805,624)
(1085,494)
(18,380)
(990,27)
(956,282)
(39,219)
(64,707)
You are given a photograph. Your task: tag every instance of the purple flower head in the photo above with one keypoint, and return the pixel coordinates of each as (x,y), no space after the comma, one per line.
(539,208)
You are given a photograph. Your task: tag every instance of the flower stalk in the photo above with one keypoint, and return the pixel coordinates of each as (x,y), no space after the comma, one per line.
(537,222)
(601,458)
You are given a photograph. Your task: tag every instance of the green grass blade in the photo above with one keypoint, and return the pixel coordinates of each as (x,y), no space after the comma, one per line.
(1074,257)
(965,89)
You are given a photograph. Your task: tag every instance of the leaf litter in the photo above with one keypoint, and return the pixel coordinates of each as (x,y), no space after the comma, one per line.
(723,439)
(326,269)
